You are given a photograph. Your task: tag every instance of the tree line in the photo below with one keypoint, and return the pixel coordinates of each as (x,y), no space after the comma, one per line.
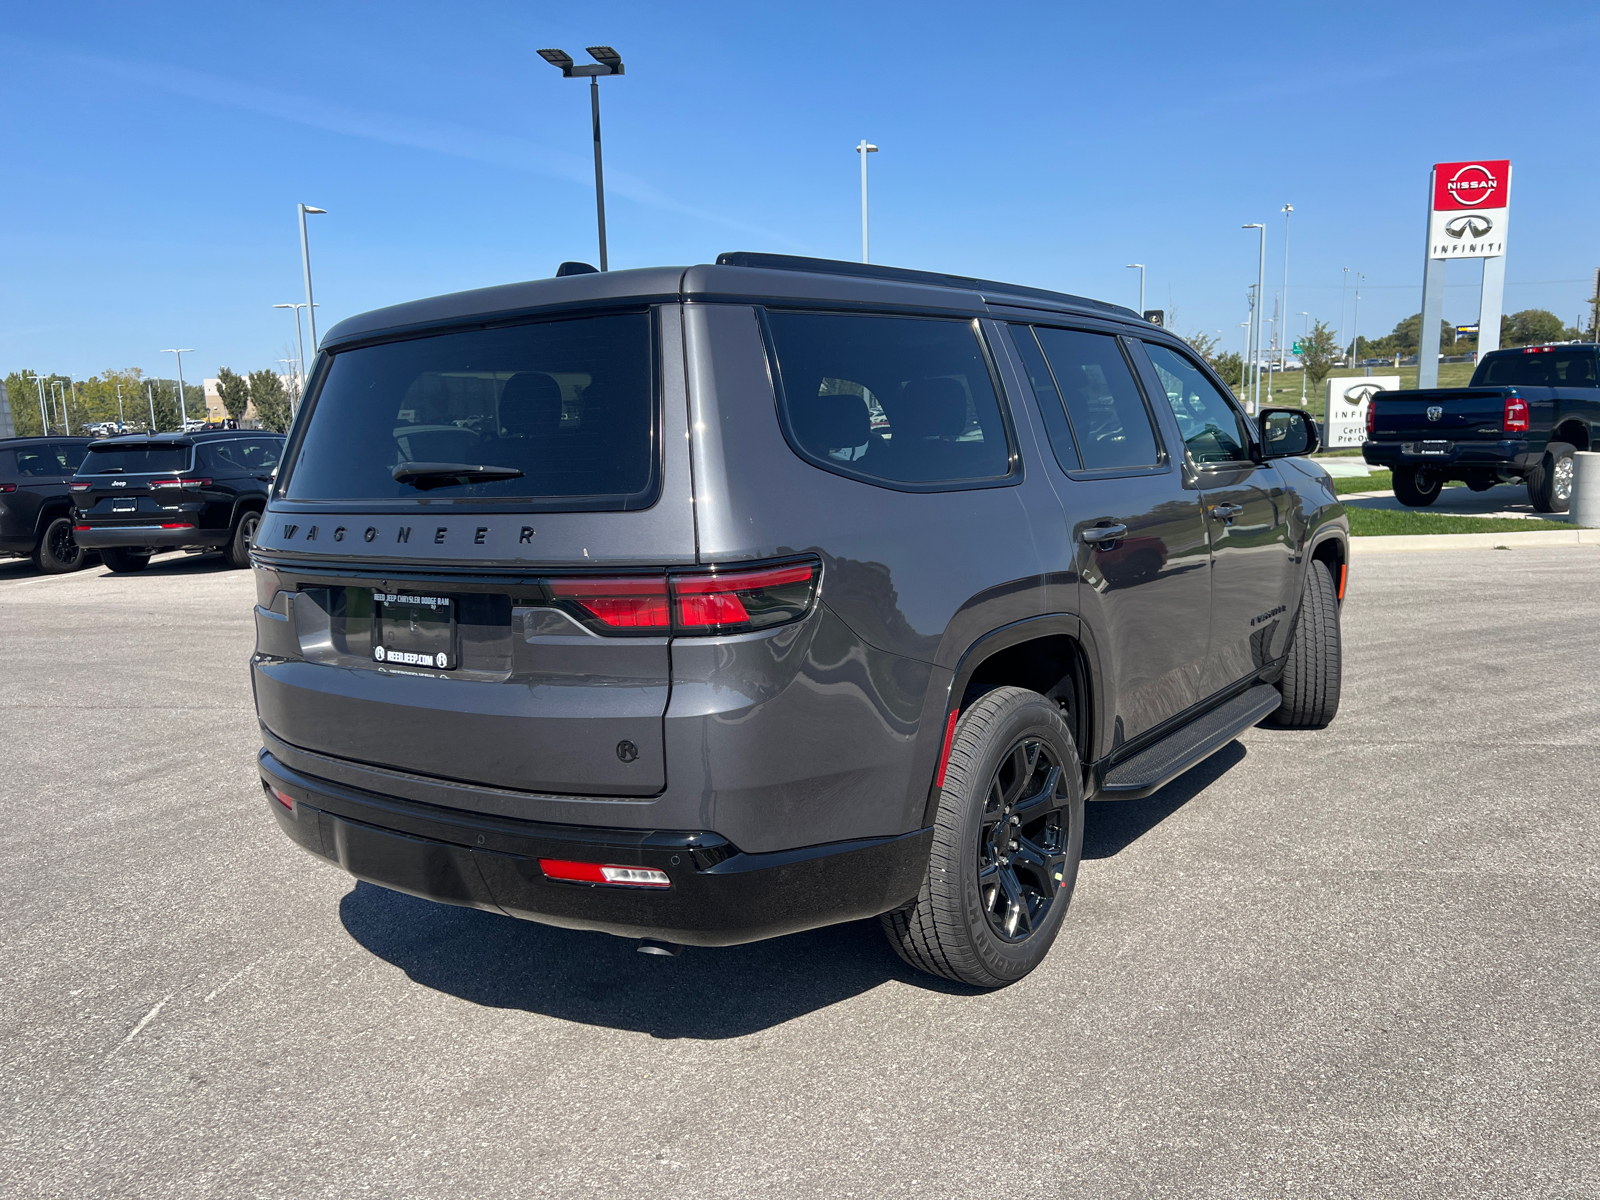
(130,395)
(1530,327)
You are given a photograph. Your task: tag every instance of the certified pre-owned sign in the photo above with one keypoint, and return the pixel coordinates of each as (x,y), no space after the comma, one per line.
(1471,204)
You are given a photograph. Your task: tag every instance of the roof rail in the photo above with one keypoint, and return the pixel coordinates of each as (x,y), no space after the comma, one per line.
(834,266)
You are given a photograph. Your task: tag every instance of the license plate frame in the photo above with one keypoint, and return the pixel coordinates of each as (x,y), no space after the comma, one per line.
(125,506)
(1432,448)
(414,630)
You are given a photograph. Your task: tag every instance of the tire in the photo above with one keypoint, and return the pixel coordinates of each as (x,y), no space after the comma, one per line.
(1550,483)
(988,912)
(124,562)
(244,535)
(57,553)
(1310,683)
(1416,487)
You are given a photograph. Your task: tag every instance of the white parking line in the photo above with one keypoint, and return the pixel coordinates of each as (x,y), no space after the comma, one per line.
(137,1029)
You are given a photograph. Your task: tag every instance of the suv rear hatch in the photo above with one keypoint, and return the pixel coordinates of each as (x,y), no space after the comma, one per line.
(1442,415)
(135,483)
(462,574)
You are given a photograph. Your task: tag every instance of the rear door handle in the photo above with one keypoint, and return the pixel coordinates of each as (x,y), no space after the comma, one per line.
(1101,534)
(1226,512)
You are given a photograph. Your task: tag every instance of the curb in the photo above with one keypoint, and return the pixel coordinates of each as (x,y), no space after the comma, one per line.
(1476,541)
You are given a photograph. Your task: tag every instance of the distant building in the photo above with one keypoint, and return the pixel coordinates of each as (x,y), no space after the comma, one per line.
(217,411)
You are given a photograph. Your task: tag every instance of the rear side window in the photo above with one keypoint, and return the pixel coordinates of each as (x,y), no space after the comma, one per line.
(72,453)
(898,400)
(134,459)
(569,405)
(40,460)
(243,455)
(1544,368)
(1110,422)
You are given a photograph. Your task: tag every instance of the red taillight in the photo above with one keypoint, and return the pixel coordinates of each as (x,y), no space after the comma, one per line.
(176,525)
(1372,419)
(1516,418)
(179,483)
(284,799)
(582,872)
(7,487)
(626,603)
(71,487)
(730,600)
(80,529)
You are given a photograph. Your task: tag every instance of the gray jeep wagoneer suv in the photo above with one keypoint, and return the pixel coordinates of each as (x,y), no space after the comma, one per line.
(706,605)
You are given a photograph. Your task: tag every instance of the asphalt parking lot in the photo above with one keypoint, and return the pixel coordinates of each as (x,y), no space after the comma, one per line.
(1357,962)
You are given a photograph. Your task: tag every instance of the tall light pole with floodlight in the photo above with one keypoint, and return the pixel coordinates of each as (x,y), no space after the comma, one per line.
(305,266)
(300,345)
(606,62)
(1261,286)
(44,421)
(183,407)
(1140,268)
(864,148)
(1283,330)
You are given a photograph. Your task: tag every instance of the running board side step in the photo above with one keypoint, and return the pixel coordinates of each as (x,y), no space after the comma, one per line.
(1151,768)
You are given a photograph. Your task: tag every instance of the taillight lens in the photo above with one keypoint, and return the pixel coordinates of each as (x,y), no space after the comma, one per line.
(734,601)
(633,603)
(179,483)
(7,487)
(1372,419)
(617,876)
(707,602)
(71,487)
(1516,418)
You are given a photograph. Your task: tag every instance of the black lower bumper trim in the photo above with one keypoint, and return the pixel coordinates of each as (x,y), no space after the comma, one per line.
(148,537)
(720,896)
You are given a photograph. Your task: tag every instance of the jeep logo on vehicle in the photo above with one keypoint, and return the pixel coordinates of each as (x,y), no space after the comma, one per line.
(1474,225)
(1435,411)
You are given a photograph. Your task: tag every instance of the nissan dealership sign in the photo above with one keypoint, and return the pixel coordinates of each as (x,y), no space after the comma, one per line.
(1471,208)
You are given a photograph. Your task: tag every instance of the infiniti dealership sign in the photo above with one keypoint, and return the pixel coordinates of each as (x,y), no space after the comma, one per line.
(1471,205)
(1345,421)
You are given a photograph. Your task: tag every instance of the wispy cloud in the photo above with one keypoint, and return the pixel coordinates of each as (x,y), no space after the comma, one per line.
(419,133)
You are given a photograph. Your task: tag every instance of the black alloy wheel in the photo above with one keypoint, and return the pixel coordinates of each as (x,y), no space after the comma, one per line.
(58,551)
(1022,843)
(244,536)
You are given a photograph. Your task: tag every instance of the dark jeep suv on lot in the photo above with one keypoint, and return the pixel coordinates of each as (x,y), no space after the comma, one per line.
(702,605)
(35,504)
(143,494)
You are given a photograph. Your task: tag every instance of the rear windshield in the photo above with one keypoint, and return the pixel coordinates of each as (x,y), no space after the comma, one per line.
(569,404)
(136,459)
(1543,368)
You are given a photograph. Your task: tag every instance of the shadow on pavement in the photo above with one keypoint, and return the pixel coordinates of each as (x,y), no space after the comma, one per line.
(597,979)
(1113,825)
(186,564)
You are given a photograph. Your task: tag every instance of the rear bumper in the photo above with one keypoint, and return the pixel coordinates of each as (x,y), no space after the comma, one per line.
(148,537)
(720,896)
(1507,456)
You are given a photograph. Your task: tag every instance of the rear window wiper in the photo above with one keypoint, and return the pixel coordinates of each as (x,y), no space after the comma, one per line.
(425,476)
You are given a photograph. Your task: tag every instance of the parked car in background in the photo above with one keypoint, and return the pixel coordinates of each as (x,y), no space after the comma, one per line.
(709,604)
(36,503)
(140,495)
(1521,419)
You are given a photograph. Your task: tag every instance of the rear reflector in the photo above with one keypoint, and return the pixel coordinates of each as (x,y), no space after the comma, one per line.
(1516,418)
(284,799)
(80,529)
(582,872)
(176,525)
(1344,572)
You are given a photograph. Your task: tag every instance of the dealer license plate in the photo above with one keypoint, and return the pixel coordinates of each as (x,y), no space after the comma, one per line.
(415,631)
(130,506)
(1426,448)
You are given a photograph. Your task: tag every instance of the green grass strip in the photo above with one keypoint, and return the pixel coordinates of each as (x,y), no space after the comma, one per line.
(1376,522)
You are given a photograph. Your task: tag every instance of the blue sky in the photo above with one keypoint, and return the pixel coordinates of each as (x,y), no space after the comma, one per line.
(155,153)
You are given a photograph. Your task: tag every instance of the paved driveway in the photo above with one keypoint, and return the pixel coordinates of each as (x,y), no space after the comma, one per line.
(1358,962)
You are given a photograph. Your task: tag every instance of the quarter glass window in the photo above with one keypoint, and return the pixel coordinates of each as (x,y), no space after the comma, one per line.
(1044,390)
(896,399)
(1109,419)
(1213,430)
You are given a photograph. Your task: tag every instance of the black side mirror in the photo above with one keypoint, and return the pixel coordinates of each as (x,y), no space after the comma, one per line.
(1287,433)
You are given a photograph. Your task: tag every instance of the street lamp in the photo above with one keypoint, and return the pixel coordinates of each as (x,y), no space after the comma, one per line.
(44,421)
(1342,287)
(183,407)
(305,265)
(1261,286)
(1283,346)
(1355,320)
(150,395)
(864,148)
(299,345)
(1244,348)
(606,62)
(1140,267)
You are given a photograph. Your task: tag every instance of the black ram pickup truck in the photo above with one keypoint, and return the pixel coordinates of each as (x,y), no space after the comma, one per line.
(1520,419)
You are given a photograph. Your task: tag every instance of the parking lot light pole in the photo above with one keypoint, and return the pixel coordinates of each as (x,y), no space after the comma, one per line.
(300,345)
(1261,287)
(57,404)
(121,420)
(305,266)
(1244,355)
(44,421)
(1140,266)
(1355,320)
(1342,292)
(1305,339)
(150,395)
(606,62)
(1283,329)
(864,148)
(183,407)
